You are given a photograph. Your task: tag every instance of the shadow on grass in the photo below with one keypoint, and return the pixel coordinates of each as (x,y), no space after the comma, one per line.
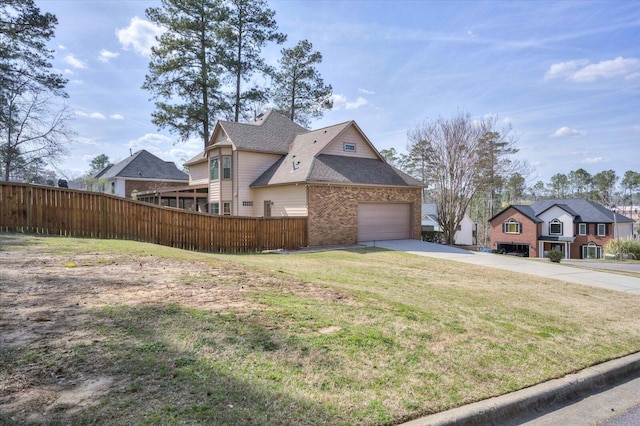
(163,363)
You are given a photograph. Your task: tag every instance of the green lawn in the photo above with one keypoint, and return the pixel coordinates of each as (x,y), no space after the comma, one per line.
(363,336)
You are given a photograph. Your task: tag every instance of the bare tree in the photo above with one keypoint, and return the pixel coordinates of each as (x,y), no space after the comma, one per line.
(451,155)
(32,132)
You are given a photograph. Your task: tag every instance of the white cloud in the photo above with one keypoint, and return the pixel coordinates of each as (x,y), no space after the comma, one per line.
(62,47)
(106,55)
(95,115)
(567,132)
(592,160)
(74,62)
(340,101)
(581,71)
(149,140)
(116,117)
(366,92)
(139,36)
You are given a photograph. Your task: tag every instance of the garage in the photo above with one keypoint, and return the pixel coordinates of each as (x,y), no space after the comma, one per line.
(384,221)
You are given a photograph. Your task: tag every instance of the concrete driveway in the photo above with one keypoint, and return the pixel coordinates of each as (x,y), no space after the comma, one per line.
(539,267)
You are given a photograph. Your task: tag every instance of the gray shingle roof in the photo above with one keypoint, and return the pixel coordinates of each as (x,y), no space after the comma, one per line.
(584,211)
(336,168)
(527,211)
(144,165)
(272,132)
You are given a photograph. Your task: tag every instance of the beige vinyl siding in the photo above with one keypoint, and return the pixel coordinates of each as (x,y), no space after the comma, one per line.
(221,137)
(214,192)
(353,137)
(248,166)
(289,200)
(199,173)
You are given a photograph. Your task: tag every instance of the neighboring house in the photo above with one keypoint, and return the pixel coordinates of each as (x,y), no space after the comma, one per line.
(141,171)
(465,236)
(272,167)
(578,228)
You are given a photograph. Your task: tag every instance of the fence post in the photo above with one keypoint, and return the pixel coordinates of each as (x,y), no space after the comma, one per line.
(29,209)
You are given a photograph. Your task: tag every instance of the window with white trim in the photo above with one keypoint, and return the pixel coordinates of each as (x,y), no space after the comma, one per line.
(602,229)
(226,208)
(226,167)
(215,168)
(350,147)
(215,208)
(511,227)
(555,227)
(591,251)
(582,229)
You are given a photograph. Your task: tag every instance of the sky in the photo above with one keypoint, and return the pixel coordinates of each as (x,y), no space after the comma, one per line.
(564,75)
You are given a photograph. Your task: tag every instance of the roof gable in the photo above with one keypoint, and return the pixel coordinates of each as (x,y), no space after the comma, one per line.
(351,133)
(525,210)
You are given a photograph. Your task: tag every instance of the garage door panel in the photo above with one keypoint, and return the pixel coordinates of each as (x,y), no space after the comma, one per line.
(384,221)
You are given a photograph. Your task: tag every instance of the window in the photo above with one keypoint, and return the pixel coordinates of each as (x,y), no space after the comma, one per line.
(511,227)
(226,208)
(226,167)
(247,203)
(555,227)
(602,229)
(591,251)
(350,147)
(215,168)
(215,208)
(582,229)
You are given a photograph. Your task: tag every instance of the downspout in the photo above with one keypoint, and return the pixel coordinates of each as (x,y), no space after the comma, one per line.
(235,182)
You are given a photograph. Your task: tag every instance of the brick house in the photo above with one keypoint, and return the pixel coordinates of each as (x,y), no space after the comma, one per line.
(334,175)
(576,227)
(141,171)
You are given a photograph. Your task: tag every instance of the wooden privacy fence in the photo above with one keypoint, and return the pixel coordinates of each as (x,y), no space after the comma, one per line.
(57,211)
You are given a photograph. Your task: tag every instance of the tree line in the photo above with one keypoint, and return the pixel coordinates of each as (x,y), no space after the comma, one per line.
(207,65)
(208,62)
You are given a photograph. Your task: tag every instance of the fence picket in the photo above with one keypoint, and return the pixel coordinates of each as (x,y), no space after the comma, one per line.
(42,209)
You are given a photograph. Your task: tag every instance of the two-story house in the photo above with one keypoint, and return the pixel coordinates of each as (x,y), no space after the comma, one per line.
(576,227)
(272,167)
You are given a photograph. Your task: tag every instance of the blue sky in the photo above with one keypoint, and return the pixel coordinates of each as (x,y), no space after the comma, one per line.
(565,75)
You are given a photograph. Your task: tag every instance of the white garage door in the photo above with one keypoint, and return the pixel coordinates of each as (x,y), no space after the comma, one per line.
(384,222)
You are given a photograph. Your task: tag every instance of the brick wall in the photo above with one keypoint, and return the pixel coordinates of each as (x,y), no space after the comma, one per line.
(528,235)
(333,211)
(592,236)
(149,185)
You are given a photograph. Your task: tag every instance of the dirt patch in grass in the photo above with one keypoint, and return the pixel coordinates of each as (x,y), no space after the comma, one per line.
(53,347)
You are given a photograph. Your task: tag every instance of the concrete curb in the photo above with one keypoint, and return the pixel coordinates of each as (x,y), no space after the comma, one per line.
(539,398)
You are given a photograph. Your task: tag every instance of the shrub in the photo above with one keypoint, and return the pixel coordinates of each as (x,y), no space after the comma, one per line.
(433,237)
(554,256)
(626,246)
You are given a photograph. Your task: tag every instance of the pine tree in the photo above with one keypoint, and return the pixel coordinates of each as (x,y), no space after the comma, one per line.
(247,27)
(300,92)
(184,71)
